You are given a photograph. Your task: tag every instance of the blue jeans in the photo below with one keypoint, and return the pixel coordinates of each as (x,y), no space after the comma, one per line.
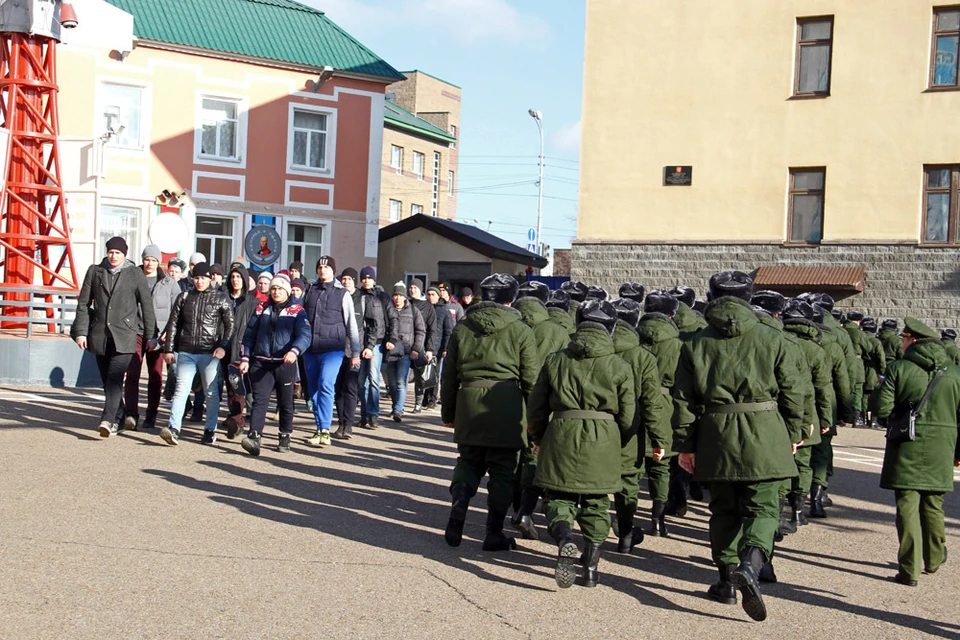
(322,369)
(397,372)
(188,364)
(370,385)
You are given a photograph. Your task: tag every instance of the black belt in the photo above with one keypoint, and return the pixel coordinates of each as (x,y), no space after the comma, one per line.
(487,384)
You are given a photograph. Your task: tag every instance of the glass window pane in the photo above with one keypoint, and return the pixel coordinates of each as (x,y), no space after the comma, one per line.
(948,20)
(310,120)
(228,139)
(205,246)
(317,148)
(211,226)
(307,234)
(938,217)
(814,68)
(807,214)
(815,30)
(945,62)
(208,140)
(215,110)
(937,178)
(120,221)
(300,148)
(805,180)
(122,95)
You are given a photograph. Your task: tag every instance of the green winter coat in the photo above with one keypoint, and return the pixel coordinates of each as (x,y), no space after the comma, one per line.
(688,322)
(803,369)
(874,361)
(648,423)
(737,359)
(846,344)
(893,345)
(840,375)
(953,352)
(490,345)
(926,464)
(572,311)
(563,319)
(661,337)
(582,455)
(857,339)
(550,337)
(821,375)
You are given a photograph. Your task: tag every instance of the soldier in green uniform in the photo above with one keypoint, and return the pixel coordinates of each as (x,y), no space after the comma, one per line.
(687,320)
(577,292)
(490,368)
(920,472)
(738,418)
(660,335)
(874,363)
(550,339)
(949,339)
(558,309)
(858,340)
(581,410)
(890,339)
(648,421)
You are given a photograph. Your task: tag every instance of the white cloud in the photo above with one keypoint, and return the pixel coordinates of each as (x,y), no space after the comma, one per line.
(567,137)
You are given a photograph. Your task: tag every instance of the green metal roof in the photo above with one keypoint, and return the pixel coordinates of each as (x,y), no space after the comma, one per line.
(274,30)
(399,117)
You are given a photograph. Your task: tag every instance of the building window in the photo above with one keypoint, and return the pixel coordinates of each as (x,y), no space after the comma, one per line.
(418,165)
(449,184)
(946,38)
(220,121)
(215,239)
(309,140)
(453,134)
(422,277)
(416,209)
(122,115)
(396,208)
(940,204)
(396,158)
(435,202)
(814,44)
(123,222)
(304,244)
(805,213)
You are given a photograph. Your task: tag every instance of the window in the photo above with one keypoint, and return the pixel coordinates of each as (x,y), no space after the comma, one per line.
(123,222)
(416,209)
(449,184)
(121,114)
(946,37)
(309,140)
(396,158)
(453,134)
(814,44)
(940,204)
(396,208)
(423,277)
(304,243)
(215,239)
(220,128)
(418,165)
(805,213)
(435,202)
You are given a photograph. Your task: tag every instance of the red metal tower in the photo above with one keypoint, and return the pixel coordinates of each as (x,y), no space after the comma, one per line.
(34,227)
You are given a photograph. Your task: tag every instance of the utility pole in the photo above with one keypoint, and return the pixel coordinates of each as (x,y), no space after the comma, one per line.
(538,116)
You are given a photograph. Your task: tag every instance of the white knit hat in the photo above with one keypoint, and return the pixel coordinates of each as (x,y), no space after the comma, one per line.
(281,280)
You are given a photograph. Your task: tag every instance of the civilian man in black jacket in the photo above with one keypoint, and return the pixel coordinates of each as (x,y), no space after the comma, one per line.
(431,342)
(378,326)
(445,324)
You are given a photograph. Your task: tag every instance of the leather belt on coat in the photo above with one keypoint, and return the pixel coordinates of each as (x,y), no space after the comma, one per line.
(577,414)
(742,407)
(487,384)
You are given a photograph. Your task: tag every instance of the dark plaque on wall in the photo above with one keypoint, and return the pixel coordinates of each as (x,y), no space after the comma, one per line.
(677,176)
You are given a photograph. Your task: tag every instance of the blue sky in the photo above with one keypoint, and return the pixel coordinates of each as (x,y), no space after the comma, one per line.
(508,56)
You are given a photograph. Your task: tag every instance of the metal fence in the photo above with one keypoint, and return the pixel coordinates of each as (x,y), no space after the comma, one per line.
(48,311)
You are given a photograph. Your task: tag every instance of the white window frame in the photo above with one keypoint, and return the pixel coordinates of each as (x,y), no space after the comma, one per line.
(398,165)
(309,270)
(423,159)
(410,275)
(416,209)
(216,240)
(450,177)
(453,134)
(399,212)
(435,193)
(239,230)
(143,144)
(331,144)
(240,160)
(134,250)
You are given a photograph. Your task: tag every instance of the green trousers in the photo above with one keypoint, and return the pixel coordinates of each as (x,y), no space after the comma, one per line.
(594,516)
(658,478)
(801,485)
(475,462)
(627,498)
(921,531)
(743,514)
(821,461)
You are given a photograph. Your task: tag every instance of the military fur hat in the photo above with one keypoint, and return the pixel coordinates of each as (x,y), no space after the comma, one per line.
(686,295)
(576,290)
(627,310)
(836,313)
(661,302)
(632,291)
(769,301)
(559,299)
(758,309)
(796,309)
(534,289)
(597,293)
(736,284)
(890,323)
(868,324)
(700,306)
(856,316)
(501,288)
(824,300)
(599,311)
(817,314)
(947,334)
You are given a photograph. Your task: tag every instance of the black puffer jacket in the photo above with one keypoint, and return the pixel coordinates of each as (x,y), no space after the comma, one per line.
(410,328)
(431,341)
(201,321)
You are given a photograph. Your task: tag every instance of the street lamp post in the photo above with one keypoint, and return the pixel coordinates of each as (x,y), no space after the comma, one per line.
(538,116)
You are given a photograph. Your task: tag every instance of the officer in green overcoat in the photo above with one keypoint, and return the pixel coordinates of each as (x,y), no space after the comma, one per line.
(949,339)
(858,338)
(889,337)
(920,472)
(738,418)
(581,410)
(558,308)
(874,363)
(489,370)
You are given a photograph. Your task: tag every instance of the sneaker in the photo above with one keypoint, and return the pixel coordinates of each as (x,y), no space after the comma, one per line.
(416,409)
(320,439)
(209,437)
(372,424)
(170,436)
(131,422)
(399,418)
(251,444)
(284,444)
(107,429)
(149,424)
(232,426)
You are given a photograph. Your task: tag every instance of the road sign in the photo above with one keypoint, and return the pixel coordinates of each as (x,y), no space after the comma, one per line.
(531,236)
(532,247)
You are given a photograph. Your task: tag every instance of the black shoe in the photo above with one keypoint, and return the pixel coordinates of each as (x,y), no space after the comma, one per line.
(251,444)
(859,422)
(209,437)
(788,524)
(528,503)
(696,491)
(398,418)
(567,554)
(591,557)
(746,579)
(460,494)
(345,432)
(904,579)
(149,424)
(658,523)
(767,574)
(196,416)
(825,499)
(723,591)
(283,446)
(232,426)
(816,502)
(633,537)
(495,539)
(942,562)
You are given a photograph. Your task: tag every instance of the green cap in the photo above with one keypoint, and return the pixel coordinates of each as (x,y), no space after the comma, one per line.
(913,328)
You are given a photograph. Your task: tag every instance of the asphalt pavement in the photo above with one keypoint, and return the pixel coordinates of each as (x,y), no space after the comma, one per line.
(129,538)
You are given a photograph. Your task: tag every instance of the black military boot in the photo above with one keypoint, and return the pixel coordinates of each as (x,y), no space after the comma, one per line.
(460,493)
(858,421)
(746,578)
(676,504)
(517,496)
(528,503)
(496,540)
(796,504)
(567,554)
(591,558)
(767,573)
(825,499)
(816,502)
(724,591)
(658,525)
(787,524)
(629,535)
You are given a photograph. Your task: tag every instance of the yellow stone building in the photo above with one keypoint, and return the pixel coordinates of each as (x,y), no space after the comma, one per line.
(797,133)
